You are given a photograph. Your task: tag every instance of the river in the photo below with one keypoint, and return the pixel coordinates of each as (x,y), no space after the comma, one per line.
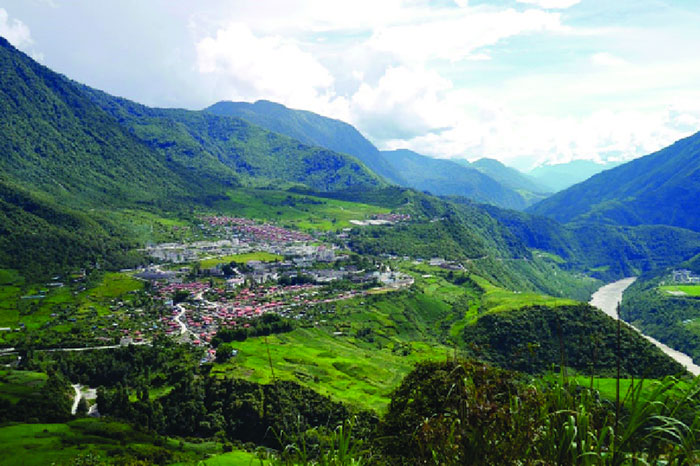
(607,298)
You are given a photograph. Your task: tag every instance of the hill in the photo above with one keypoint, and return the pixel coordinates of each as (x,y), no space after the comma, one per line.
(74,159)
(309,128)
(563,175)
(213,145)
(445,177)
(57,141)
(607,252)
(659,189)
(510,177)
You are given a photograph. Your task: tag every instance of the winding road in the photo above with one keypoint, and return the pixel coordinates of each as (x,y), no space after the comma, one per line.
(609,296)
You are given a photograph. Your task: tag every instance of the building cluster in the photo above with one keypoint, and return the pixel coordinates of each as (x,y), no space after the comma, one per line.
(684,276)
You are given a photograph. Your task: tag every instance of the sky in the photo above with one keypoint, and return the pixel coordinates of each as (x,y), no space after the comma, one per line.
(527,82)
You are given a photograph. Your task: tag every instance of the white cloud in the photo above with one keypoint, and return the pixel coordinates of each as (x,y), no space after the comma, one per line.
(15,31)
(607,59)
(551,4)
(405,103)
(455,36)
(272,67)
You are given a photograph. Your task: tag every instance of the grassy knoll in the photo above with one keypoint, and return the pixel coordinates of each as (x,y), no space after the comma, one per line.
(302,211)
(236,458)
(687,290)
(15,385)
(338,366)
(103,442)
(241,259)
(497,299)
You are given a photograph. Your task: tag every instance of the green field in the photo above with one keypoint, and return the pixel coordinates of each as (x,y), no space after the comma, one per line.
(301,211)
(687,290)
(241,259)
(497,299)
(97,441)
(337,366)
(15,385)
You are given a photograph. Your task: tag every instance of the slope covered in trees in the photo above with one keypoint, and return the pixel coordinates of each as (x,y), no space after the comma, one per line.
(445,177)
(608,252)
(659,189)
(309,128)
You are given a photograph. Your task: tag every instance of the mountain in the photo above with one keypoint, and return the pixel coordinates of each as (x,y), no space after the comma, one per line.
(213,145)
(508,176)
(404,168)
(561,176)
(662,188)
(608,252)
(445,177)
(55,140)
(309,128)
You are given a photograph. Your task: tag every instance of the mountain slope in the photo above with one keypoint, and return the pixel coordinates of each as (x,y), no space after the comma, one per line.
(56,140)
(563,175)
(404,168)
(508,176)
(444,177)
(607,252)
(217,145)
(309,128)
(660,188)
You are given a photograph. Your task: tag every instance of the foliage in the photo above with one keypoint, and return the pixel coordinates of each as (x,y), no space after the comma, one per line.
(534,339)
(660,188)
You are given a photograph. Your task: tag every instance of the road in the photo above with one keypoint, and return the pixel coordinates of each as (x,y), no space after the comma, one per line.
(609,296)
(76,398)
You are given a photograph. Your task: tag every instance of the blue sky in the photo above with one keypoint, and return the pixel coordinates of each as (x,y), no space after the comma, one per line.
(523,81)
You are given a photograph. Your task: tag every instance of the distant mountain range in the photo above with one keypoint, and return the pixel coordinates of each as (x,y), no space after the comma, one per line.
(563,175)
(662,188)
(445,177)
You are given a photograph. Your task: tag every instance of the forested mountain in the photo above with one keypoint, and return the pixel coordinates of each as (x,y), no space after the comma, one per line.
(70,156)
(660,188)
(607,251)
(562,175)
(445,177)
(510,177)
(215,146)
(55,140)
(309,128)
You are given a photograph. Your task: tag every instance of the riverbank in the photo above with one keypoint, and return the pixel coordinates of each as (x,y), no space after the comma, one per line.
(609,296)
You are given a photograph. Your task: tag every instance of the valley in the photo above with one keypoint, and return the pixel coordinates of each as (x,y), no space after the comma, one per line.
(255,284)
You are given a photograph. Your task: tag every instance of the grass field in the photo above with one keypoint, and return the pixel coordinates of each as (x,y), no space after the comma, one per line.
(687,290)
(241,259)
(96,441)
(301,211)
(236,458)
(337,366)
(15,385)
(497,299)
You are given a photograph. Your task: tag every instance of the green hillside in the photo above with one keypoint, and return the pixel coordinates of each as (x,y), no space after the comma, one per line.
(660,188)
(530,189)
(309,128)
(605,251)
(220,145)
(445,177)
(57,141)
